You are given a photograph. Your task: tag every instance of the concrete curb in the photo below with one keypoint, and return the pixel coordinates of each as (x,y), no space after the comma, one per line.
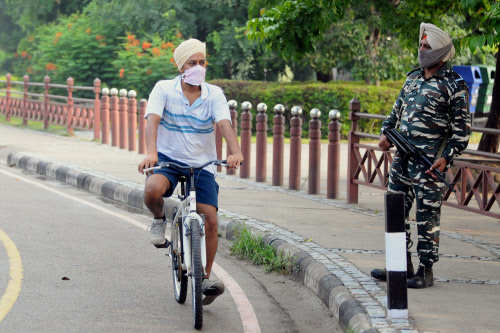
(311,272)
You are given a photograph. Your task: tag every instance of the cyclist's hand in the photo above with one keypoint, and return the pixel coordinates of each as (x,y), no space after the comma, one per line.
(234,160)
(149,161)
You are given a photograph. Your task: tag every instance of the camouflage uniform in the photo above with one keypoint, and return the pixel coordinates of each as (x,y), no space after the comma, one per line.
(434,115)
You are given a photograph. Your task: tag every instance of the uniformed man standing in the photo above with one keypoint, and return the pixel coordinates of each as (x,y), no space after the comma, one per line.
(432,113)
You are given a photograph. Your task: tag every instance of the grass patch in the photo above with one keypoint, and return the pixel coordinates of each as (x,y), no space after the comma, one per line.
(254,248)
(34,125)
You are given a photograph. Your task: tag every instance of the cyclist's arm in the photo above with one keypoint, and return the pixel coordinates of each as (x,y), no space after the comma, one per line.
(235,156)
(151,134)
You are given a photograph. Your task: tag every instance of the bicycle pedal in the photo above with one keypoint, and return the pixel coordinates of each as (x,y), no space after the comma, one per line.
(164,245)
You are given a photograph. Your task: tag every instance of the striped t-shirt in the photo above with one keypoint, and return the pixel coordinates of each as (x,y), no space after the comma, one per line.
(187,132)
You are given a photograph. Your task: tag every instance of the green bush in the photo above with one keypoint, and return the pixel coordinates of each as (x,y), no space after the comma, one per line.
(324,96)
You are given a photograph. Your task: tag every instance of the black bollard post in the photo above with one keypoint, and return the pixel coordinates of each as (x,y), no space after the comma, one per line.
(395,256)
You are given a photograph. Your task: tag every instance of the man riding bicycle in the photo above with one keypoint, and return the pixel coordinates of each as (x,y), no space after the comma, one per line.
(181,117)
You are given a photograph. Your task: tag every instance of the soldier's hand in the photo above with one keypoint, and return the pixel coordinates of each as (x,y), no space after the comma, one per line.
(440,165)
(384,143)
(149,161)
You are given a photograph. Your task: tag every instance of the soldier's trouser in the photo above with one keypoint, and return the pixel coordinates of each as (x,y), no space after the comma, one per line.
(410,179)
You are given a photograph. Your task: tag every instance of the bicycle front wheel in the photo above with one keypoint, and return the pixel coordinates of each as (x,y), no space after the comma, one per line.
(179,277)
(196,274)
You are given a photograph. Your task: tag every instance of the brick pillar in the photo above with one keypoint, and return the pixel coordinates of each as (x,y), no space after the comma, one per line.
(261,139)
(352,188)
(123,114)
(69,119)
(295,147)
(132,120)
(333,155)
(234,124)
(97,110)
(142,126)
(314,152)
(115,120)
(246,138)
(278,144)
(105,115)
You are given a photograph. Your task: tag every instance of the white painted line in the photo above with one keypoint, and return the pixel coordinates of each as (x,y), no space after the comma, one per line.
(15,273)
(70,197)
(245,308)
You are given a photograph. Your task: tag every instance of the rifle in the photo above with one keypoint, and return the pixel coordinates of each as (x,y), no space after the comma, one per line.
(406,149)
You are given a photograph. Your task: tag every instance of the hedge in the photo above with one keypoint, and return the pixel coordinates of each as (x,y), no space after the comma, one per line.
(324,96)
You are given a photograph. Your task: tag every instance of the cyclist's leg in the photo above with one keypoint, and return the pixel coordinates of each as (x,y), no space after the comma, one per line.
(207,192)
(211,238)
(156,185)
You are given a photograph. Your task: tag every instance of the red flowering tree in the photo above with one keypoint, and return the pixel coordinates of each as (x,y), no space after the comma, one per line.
(141,63)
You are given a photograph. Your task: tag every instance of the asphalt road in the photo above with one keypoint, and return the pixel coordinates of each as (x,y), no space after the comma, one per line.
(70,262)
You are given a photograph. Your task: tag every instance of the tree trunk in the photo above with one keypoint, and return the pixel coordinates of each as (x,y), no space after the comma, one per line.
(489,142)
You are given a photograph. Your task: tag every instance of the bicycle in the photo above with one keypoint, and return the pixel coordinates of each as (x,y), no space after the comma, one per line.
(187,242)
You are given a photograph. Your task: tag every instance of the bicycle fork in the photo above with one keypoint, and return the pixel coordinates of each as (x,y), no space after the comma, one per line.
(188,220)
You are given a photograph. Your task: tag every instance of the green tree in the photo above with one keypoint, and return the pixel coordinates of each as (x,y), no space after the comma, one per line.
(31,14)
(480,30)
(10,34)
(222,24)
(342,34)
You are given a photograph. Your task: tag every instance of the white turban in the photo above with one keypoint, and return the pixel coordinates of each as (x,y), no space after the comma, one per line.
(437,39)
(186,49)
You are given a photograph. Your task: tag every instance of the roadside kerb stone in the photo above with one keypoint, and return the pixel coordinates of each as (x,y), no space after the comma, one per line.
(357,305)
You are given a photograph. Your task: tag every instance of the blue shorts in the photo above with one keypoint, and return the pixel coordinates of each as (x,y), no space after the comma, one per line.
(207,189)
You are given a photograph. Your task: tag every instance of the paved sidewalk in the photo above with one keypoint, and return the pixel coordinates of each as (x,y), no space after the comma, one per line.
(347,240)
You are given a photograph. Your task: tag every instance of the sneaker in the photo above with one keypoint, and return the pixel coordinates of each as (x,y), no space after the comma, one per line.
(157,231)
(211,289)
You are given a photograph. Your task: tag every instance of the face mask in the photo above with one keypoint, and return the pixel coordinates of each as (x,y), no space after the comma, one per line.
(194,75)
(428,58)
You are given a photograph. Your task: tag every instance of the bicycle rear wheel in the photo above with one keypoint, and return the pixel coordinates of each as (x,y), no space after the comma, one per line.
(197,274)
(179,277)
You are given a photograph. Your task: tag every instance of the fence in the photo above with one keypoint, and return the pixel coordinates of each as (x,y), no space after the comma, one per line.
(368,165)
(66,110)
(118,119)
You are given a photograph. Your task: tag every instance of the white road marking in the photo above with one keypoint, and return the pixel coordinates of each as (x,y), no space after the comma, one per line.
(245,308)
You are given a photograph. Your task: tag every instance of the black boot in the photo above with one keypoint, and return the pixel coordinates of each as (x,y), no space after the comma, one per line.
(381,273)
(423,279)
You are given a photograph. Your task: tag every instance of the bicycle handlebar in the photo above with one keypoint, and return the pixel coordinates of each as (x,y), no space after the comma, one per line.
(162,165)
